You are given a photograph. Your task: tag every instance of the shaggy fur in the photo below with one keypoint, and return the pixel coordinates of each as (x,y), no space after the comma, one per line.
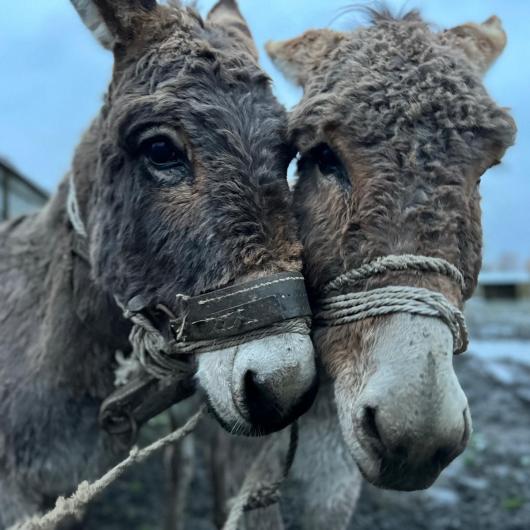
(221,215)
(413,129)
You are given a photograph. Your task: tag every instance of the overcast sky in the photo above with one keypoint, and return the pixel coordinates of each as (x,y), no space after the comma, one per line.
(53,75)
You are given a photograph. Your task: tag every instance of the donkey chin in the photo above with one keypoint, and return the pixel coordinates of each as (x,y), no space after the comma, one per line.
(261,386)
(405,418)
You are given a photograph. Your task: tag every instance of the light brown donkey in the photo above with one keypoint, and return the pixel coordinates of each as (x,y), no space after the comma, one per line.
(394,131)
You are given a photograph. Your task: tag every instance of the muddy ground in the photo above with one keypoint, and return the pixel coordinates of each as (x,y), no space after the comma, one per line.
(487,488)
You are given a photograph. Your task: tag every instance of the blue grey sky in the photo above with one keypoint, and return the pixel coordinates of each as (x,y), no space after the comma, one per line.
(53,75)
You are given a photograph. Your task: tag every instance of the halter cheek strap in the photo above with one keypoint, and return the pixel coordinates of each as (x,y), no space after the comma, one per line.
(353,306)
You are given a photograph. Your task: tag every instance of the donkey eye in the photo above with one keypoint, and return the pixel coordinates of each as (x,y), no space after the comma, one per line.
(327,161)
(161,152)
(328,164)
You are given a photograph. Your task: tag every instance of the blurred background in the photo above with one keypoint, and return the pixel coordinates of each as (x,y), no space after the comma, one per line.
(53,75)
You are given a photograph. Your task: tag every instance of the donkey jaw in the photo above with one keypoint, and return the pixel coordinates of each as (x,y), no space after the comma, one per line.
(409,418)
(261,386)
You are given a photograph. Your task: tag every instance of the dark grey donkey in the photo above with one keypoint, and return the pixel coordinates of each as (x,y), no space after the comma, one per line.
(180,186)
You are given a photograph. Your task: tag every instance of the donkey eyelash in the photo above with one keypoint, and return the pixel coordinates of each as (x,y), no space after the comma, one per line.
(160,132)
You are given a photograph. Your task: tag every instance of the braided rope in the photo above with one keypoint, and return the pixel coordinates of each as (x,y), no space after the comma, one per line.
(355,306)
(404,262)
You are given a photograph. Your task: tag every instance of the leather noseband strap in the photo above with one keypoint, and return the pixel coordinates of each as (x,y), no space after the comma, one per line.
(212,321)
(230,312)
(215,320)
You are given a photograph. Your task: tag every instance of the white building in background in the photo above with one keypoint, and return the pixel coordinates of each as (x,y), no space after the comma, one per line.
(18,195)
(505,285)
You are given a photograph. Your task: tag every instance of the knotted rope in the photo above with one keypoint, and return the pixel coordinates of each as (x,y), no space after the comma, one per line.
(255,494)
(355,306)
(151,350)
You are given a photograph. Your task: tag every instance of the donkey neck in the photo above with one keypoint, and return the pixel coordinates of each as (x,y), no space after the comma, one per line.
(69,329)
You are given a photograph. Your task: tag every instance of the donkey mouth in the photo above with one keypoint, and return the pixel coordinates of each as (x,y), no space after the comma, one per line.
(393,476)
(236,426)
(258,420)
(396,473)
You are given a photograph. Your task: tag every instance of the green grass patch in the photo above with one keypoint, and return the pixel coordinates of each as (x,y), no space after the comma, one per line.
(513,503)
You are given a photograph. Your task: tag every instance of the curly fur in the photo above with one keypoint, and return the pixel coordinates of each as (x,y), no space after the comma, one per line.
(412,122)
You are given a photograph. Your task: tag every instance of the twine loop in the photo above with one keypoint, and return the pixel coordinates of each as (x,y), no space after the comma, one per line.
(254,492)
(354,306)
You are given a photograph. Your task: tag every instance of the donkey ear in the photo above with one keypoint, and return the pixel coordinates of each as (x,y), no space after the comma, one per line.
(297,58)
(226,14)
(113,21)
(482,43)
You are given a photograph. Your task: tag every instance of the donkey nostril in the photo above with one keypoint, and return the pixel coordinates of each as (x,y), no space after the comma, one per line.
(443,457)
(260,401)
(370,424)
(254,390)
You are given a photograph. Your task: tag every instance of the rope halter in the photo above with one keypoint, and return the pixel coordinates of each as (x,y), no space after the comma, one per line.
(353,306)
